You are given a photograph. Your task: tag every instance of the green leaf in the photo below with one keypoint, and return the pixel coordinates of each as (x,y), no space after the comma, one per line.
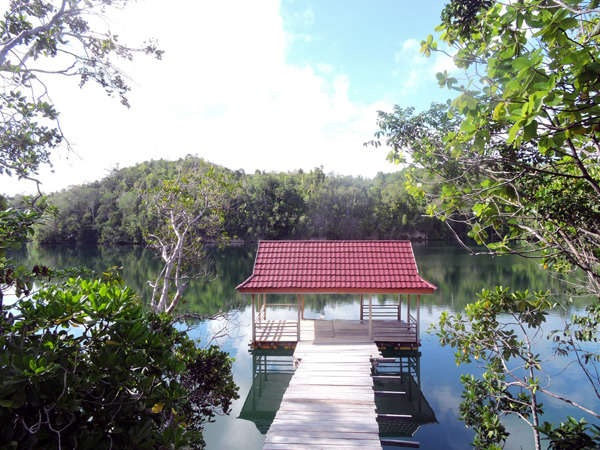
(521,62)
(530,131)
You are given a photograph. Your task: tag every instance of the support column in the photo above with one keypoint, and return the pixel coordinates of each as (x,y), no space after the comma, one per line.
(370,317)
(264,306)
(302,306)
(399,307)
(418,317)
(361,308)
(408,310)
(299,319)
(253,313)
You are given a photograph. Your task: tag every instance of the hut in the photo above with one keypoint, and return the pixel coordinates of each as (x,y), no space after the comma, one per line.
(362,268)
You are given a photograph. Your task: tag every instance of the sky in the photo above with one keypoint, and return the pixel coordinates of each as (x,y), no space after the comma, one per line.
(250,84)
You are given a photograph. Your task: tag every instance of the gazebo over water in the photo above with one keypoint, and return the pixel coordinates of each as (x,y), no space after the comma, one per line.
(337,267)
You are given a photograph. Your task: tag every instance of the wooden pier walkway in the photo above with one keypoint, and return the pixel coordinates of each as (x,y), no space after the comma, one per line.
(329,402)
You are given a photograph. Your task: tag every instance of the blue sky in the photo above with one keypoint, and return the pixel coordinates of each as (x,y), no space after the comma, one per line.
(375,44)
(263,84)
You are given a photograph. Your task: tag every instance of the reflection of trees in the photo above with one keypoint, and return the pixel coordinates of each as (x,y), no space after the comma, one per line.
(140,264)
(456,274)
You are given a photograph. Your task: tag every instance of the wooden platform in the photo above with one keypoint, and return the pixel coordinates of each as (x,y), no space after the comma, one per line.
(385,332)
(329,402)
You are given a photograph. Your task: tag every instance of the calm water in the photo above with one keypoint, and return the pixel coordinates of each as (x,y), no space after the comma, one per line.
(458,277)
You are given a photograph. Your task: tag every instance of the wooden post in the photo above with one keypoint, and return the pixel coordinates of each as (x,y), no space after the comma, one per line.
(265,306)
(361,308)
(302,306)
(399,307)
(370,317)
(418,317)
(408,310)
(252,313)
(299,319)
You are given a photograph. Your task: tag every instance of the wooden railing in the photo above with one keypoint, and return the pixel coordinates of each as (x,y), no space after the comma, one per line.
(264,330)
(385,311)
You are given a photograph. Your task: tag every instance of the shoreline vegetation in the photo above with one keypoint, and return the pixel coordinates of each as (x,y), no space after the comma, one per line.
(267,205)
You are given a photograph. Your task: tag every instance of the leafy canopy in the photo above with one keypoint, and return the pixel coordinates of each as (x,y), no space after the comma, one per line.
(516,152)
(40,38)
(84,364)
(514,158)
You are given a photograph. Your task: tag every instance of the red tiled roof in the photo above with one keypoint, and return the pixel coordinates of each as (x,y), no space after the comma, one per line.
(335,267)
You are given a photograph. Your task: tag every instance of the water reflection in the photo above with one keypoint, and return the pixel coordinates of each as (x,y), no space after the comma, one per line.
(272,371)
(400,416)
(400,403)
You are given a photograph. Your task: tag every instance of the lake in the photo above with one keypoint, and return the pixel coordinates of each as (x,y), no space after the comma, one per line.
(458,277)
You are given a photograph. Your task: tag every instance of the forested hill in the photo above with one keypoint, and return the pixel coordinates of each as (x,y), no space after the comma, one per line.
(293,205)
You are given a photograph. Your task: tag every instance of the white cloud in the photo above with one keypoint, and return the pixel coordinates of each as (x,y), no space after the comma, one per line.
(414,70)
(223,92)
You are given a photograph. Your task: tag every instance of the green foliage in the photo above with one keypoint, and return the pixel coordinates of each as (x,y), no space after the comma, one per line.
(513,160)
(499,331)
(571,435)
(16,227)
(515,153)
(32,32)
(83,364)
(295,205)
(190,211)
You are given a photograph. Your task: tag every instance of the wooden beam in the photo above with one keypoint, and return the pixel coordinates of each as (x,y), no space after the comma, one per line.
(390,393)
(408,309)
(418,318)
(370,317)
(299,320)
(393,417)
(362,312)
(386,377)
(253,313)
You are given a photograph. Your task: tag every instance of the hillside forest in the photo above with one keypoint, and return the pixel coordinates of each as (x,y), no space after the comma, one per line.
(264,205)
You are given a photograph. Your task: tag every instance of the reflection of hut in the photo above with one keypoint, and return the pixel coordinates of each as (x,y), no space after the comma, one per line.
(272,372)
(338,267)
(400,416)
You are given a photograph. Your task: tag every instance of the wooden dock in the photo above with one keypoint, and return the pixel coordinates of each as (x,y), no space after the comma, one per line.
(329,402)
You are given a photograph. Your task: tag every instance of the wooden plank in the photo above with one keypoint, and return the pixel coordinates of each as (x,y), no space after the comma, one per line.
(344,430)
(344,443)
(318,435)
(324,416)
(286,446)
(393,417)
(314,407)
(390,394)
(329,402)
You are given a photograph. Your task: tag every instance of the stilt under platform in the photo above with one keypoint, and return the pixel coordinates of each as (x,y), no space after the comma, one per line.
(330,401)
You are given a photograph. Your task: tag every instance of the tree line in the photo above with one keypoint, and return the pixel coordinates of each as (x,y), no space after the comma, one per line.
(265,205)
